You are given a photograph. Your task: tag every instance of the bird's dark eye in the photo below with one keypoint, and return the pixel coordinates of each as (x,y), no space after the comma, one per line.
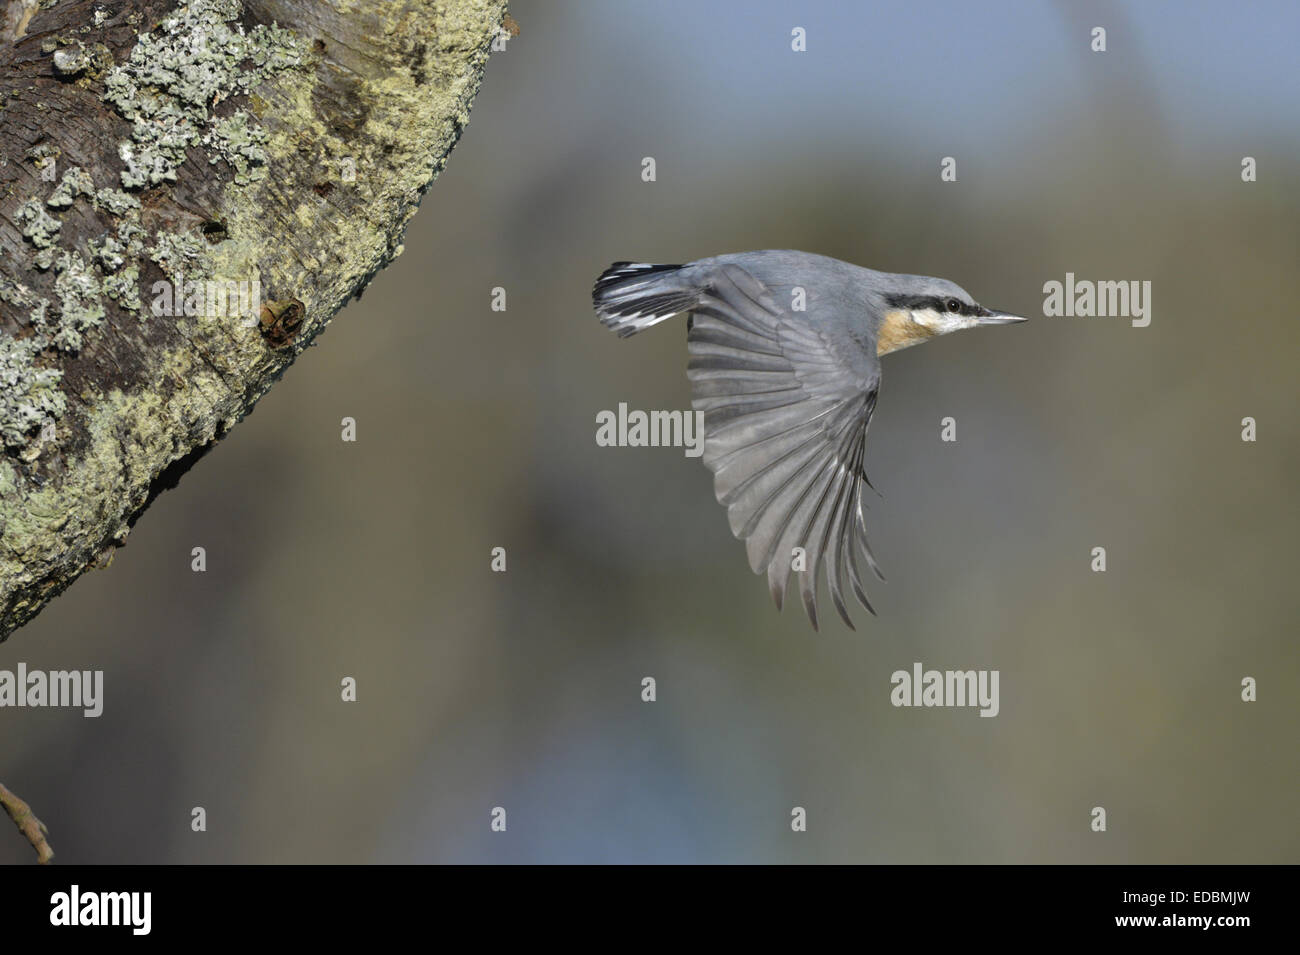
(954,305)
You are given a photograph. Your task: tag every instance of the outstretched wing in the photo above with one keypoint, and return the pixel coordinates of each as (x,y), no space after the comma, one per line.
(785,418)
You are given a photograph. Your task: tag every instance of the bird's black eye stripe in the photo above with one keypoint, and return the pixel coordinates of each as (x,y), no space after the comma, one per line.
(940,304)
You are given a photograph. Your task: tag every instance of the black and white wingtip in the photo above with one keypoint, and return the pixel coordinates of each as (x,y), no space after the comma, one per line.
(631,296)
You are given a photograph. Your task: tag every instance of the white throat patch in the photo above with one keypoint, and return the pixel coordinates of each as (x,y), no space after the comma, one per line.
(941,323)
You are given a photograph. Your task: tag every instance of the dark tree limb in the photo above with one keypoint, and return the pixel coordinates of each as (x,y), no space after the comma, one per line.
(275,147)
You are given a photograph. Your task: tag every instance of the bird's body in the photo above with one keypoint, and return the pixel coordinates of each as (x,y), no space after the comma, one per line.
(785,353)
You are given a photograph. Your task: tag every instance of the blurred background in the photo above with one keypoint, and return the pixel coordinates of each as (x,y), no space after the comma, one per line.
(476,429)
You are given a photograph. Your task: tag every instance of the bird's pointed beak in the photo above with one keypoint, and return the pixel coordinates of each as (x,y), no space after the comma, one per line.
(994,317)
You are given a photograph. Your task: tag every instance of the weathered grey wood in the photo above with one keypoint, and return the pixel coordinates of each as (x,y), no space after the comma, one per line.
(305,150)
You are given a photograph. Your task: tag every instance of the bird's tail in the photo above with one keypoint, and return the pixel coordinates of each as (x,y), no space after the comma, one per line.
(630,296)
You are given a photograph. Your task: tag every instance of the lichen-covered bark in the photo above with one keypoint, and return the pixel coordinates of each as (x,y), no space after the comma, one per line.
(189,191)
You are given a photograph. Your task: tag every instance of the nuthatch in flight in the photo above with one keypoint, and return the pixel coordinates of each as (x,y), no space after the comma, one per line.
(787,392)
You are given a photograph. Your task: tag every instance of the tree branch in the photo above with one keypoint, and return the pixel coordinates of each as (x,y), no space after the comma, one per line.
(189,191)
(32,828)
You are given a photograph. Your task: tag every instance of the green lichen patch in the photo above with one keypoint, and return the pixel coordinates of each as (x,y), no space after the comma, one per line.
(108,252)
(241,143)
(38,226)
(124,288)
(178,253)
(132,236)
(116,202)
(197,57)
(76,182)
(15,292)
(29,395)
(80,305)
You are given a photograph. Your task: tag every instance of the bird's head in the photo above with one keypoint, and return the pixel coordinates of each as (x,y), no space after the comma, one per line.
(922,308)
